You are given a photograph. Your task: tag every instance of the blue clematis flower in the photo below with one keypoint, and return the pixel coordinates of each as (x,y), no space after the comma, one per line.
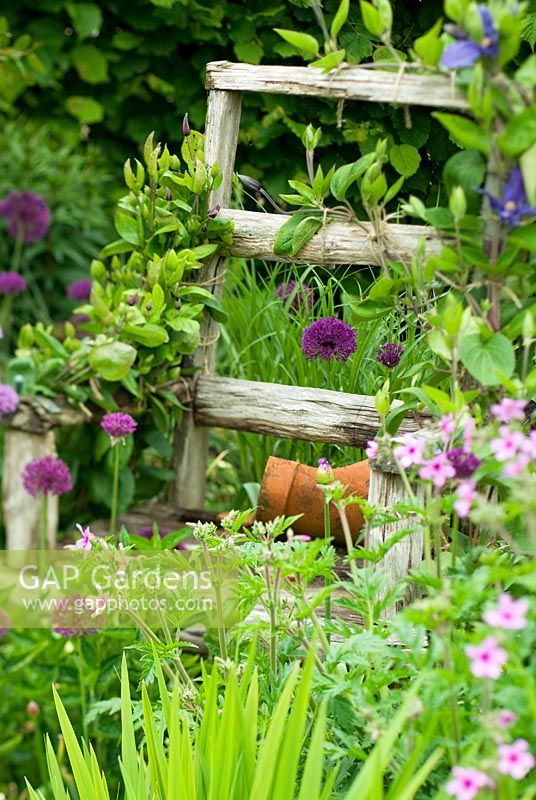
(465,52)
(514,203)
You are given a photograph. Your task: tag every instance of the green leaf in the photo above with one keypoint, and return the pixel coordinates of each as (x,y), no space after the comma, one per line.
(90,63)
(519,134)
(283,238)
(429,47)
(405,159)
(465,132)
(86,18)
(112,360)
(199,295)
(302,41)
(524,237)
(149,334)
(304,232)
(466,169)
(126,226)
(340,18)
(85,109)
(486,359)
(344,176)
(371,18)
(439,217)
(249,52)
(329,62)
(116,248)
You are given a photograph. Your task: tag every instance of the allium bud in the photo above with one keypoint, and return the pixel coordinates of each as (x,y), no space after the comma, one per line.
(32,709)
(168,195)
(324,473)
(132,300)
(214,211)
(186,130)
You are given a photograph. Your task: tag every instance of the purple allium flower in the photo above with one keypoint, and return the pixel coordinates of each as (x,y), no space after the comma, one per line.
(80,290)
(514,203)
(295,295)
(5,623)
(27,215)
(389,354)
(9,399)
(118,425)
(465,52)
(73,617)
(12,283)
(329,338)
(47,475)
(147,531)
(464,462)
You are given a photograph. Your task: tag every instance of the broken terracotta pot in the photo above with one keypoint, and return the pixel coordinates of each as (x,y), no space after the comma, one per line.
(289,488)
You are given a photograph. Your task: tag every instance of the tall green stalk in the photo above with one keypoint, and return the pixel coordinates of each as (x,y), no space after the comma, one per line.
(115,491)
(327,579)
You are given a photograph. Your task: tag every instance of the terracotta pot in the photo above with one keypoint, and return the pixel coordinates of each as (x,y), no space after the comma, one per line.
(289,488)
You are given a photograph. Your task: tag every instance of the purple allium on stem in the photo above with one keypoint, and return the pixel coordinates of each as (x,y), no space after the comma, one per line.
(464,462)
(465,52)
(513,205)
(5,623)
(389,354)
(80,289)
(118,425)
(12,283)
(9,399)
(27,216)
(47,475)
(324,473)
(329,338)
(73,618)
(295,295)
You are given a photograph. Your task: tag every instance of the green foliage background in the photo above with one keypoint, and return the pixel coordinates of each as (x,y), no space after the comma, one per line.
(120,68)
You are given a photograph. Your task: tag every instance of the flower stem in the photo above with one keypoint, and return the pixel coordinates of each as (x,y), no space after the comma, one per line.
(82,688)
(43,523)
(327,579)
(348,539)
(115,492)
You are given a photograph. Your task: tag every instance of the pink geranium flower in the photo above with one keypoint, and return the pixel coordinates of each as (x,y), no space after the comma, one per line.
(447,427)
(506,718)
(508,445)
(86,539)
(438,470)
(465,497)
(515,468)
(466,783)
(372,450)
(468,431)
(487,658)
(508,410)
(510,613)
(410,451)
(515,759)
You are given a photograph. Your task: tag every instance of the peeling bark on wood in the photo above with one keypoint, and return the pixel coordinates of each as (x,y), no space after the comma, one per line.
(385,490)
(399,87)
(293,412)
(338,243)
(39,415)
(191,442)
(21,511)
